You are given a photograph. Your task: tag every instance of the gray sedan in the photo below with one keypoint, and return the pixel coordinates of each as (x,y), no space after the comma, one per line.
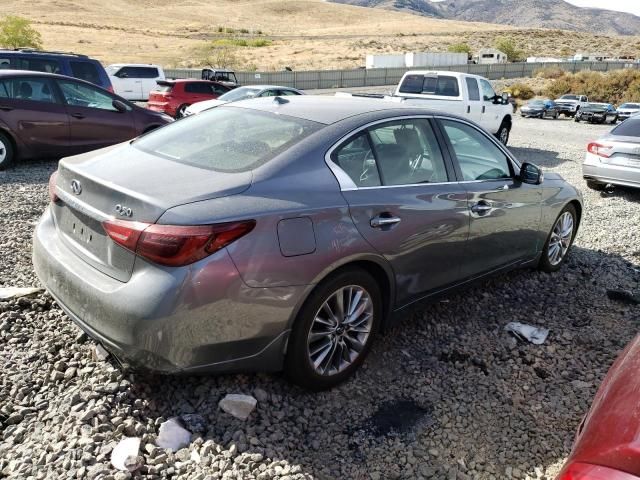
(615,158)
(242,93)
(286,233)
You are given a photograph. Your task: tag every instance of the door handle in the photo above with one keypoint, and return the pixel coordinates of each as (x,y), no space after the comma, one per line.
(481,207)
(6,108)
(380,221)
(484,108)
(468,108)
(77,115)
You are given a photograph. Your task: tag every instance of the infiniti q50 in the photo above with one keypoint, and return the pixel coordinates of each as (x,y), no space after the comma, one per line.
(285,233)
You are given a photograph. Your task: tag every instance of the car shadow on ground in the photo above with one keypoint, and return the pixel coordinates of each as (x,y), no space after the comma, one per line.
(445,389)
(623,193)
(542,158)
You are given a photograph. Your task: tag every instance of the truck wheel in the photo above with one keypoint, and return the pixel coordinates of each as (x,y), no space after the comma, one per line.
(503,133)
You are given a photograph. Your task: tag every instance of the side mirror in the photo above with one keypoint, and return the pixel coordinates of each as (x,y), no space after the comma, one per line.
(119,105)
(530,173)
(505,97)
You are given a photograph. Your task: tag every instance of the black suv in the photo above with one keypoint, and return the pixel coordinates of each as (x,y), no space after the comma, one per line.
(69,64)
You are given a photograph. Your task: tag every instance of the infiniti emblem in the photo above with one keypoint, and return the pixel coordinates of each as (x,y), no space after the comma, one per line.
(76,187)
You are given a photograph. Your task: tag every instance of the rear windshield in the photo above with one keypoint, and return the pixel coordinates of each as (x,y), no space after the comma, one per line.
(164,88)
(628,128)
(227,139)
(569,97)
(441,85)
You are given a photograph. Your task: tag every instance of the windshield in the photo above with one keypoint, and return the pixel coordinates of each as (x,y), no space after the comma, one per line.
(227,139)
(597,106)
(241,93)
(569,97)
(631,106)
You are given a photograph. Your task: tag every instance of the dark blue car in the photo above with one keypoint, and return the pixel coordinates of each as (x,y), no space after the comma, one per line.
(69,64)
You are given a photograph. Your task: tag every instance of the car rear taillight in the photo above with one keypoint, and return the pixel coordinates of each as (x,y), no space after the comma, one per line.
(175,245)
(599,149)
(53,196)
(586,471)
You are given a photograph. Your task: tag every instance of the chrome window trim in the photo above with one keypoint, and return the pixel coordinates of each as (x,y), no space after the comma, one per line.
(344,180)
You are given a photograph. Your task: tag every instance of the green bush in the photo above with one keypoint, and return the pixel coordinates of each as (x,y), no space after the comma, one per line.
(549,73)
(509,47)
(616,87)
(460,48)
(16,32)
(241,42)
(521,91)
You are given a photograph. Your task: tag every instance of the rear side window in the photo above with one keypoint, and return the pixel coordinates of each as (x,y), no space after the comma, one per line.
(628,128)
(85,71)
(227,139)
(33,89)
(198,87)
(38,65)
(442,85)
(474,91)
(5,63)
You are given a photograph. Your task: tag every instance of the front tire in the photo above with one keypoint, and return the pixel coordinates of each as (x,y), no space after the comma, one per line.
(7,153)
(560,240)
(503,133)
(334,330)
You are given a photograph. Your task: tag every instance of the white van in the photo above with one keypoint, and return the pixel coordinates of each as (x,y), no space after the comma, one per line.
(134,81)
(467,95)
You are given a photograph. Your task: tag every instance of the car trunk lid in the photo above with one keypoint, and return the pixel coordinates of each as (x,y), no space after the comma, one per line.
(125,183)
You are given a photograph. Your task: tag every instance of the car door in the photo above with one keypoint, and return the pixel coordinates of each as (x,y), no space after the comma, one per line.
(504,212)
(94,121)
(129,85)
(404,203)
(33,111)
(475,104)
(491,112)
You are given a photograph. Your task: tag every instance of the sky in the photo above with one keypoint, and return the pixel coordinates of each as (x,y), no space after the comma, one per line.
(632,6)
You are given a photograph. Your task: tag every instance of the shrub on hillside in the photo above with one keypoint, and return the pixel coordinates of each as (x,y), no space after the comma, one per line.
(615,87)
(549,73)
(521,91)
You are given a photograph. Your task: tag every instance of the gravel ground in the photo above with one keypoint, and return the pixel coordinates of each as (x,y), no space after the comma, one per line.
(445,395)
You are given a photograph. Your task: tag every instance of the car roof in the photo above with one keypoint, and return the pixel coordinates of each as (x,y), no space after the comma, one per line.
(44,53)
(326,109)
(133,65)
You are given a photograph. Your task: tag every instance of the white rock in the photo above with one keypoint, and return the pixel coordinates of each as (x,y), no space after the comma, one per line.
(195,456)
(240,406)
(172,435)
(127,447)
(15,292)
(100,353)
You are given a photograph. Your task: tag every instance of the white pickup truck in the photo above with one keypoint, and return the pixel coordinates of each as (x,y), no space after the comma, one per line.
(467,95)
(570,104)
(463,94)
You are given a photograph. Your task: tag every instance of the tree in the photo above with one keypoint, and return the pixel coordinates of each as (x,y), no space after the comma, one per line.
(16,32)
(509,48)
(460,48)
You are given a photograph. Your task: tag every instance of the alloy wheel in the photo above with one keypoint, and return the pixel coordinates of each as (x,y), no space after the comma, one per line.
(561,237)
(3,151)
(504,135)
(340,330)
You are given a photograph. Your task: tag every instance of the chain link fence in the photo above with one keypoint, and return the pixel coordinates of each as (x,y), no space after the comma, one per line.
(324,79)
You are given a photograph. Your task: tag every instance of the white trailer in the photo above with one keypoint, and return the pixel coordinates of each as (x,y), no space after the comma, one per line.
(385,61)
(434,59)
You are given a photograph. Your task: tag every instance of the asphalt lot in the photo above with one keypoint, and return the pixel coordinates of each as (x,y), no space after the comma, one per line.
(445,394)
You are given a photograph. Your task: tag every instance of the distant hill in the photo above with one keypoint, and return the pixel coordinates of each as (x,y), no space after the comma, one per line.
(556,14)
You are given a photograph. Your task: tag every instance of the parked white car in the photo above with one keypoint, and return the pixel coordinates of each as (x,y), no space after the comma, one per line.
(466,95)
(242,93)
(134,81)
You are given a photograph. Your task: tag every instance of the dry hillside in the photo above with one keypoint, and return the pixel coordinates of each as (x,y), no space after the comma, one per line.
(303,34)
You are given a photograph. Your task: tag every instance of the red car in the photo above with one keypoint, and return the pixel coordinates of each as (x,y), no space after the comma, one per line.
(607,445)
(174,96)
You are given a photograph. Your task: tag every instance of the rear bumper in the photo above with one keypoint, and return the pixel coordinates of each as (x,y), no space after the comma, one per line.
(201,318)
(594,169)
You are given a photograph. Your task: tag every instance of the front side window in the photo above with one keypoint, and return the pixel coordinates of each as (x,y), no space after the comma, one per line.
(80,95)
(86,71)
(478,157)
(33,89)
(488,94)
(400,152)
(227,139)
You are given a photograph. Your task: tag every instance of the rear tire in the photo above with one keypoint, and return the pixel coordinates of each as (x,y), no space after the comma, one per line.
(7,153)
(597,186)
(325,347)
(560,239)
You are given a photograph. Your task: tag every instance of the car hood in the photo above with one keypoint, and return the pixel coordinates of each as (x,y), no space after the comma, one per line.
(123,174)
(205,105)
(610,434)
